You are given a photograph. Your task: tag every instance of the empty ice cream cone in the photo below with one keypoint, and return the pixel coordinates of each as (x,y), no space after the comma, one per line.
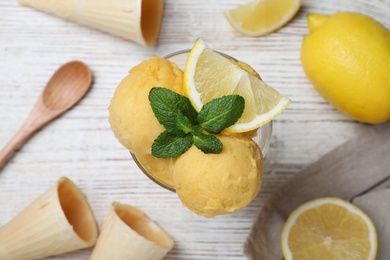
(58,221)
(128,233)
(135,20)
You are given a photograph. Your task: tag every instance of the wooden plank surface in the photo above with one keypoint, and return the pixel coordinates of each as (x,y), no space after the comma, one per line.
(81,145)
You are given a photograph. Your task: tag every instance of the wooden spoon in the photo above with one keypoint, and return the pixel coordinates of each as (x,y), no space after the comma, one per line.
(66,87)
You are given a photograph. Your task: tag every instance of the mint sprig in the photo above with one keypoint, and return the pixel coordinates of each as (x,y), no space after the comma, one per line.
(167,105)
(185,126)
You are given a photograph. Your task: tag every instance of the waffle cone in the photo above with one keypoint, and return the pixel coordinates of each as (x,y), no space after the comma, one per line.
(58,221)
(135,20)
(127,233)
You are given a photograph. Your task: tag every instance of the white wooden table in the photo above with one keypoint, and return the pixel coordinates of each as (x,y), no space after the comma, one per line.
(81,145)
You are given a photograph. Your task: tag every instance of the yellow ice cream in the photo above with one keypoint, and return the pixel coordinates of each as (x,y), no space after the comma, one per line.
(215,184)
(131,116)
(157,168)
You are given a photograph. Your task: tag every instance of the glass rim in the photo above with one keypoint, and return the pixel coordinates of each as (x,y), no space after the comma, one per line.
(185,51)
(150,176)
(175,53)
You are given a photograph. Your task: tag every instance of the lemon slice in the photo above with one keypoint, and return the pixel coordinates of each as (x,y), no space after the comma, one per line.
(209,75)
(329,228)
(261,17)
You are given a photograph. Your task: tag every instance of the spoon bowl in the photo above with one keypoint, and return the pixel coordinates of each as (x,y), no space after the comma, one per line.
(67,86)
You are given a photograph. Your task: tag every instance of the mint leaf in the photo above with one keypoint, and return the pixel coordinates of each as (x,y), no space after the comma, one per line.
(221,113)
(197,130)
(168,145)
(166,105)
(207,143)
(188,110)
(183,123)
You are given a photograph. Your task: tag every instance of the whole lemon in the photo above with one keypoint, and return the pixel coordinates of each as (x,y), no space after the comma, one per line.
(346,57)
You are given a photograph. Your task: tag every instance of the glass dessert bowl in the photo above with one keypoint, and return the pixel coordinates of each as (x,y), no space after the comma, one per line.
(262,136)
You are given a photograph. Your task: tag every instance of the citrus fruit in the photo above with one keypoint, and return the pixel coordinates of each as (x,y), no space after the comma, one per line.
(258,18)
(346,57)
(209,75)
(329,228)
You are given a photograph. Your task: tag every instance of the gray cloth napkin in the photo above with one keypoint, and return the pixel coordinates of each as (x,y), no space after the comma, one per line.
(357,170)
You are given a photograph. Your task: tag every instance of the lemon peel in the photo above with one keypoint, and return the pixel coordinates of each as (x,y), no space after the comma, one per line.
(209,75)
(346,57)
(258,18)
(329,228)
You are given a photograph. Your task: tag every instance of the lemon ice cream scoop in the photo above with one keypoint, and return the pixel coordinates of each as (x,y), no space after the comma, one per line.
(215,184)
(160,169)
(130,114)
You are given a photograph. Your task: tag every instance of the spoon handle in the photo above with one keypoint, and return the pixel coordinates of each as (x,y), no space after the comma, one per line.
(13,145)
(38,118)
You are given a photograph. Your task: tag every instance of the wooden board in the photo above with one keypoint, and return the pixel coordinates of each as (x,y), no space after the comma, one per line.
(81,145)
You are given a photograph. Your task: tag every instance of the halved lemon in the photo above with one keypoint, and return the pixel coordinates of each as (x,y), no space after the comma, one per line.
(329,228)
(209,75)
(261,17)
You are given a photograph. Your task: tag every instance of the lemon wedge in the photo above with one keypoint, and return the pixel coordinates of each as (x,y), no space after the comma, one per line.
(329,228)
(261,17)
(209,75)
